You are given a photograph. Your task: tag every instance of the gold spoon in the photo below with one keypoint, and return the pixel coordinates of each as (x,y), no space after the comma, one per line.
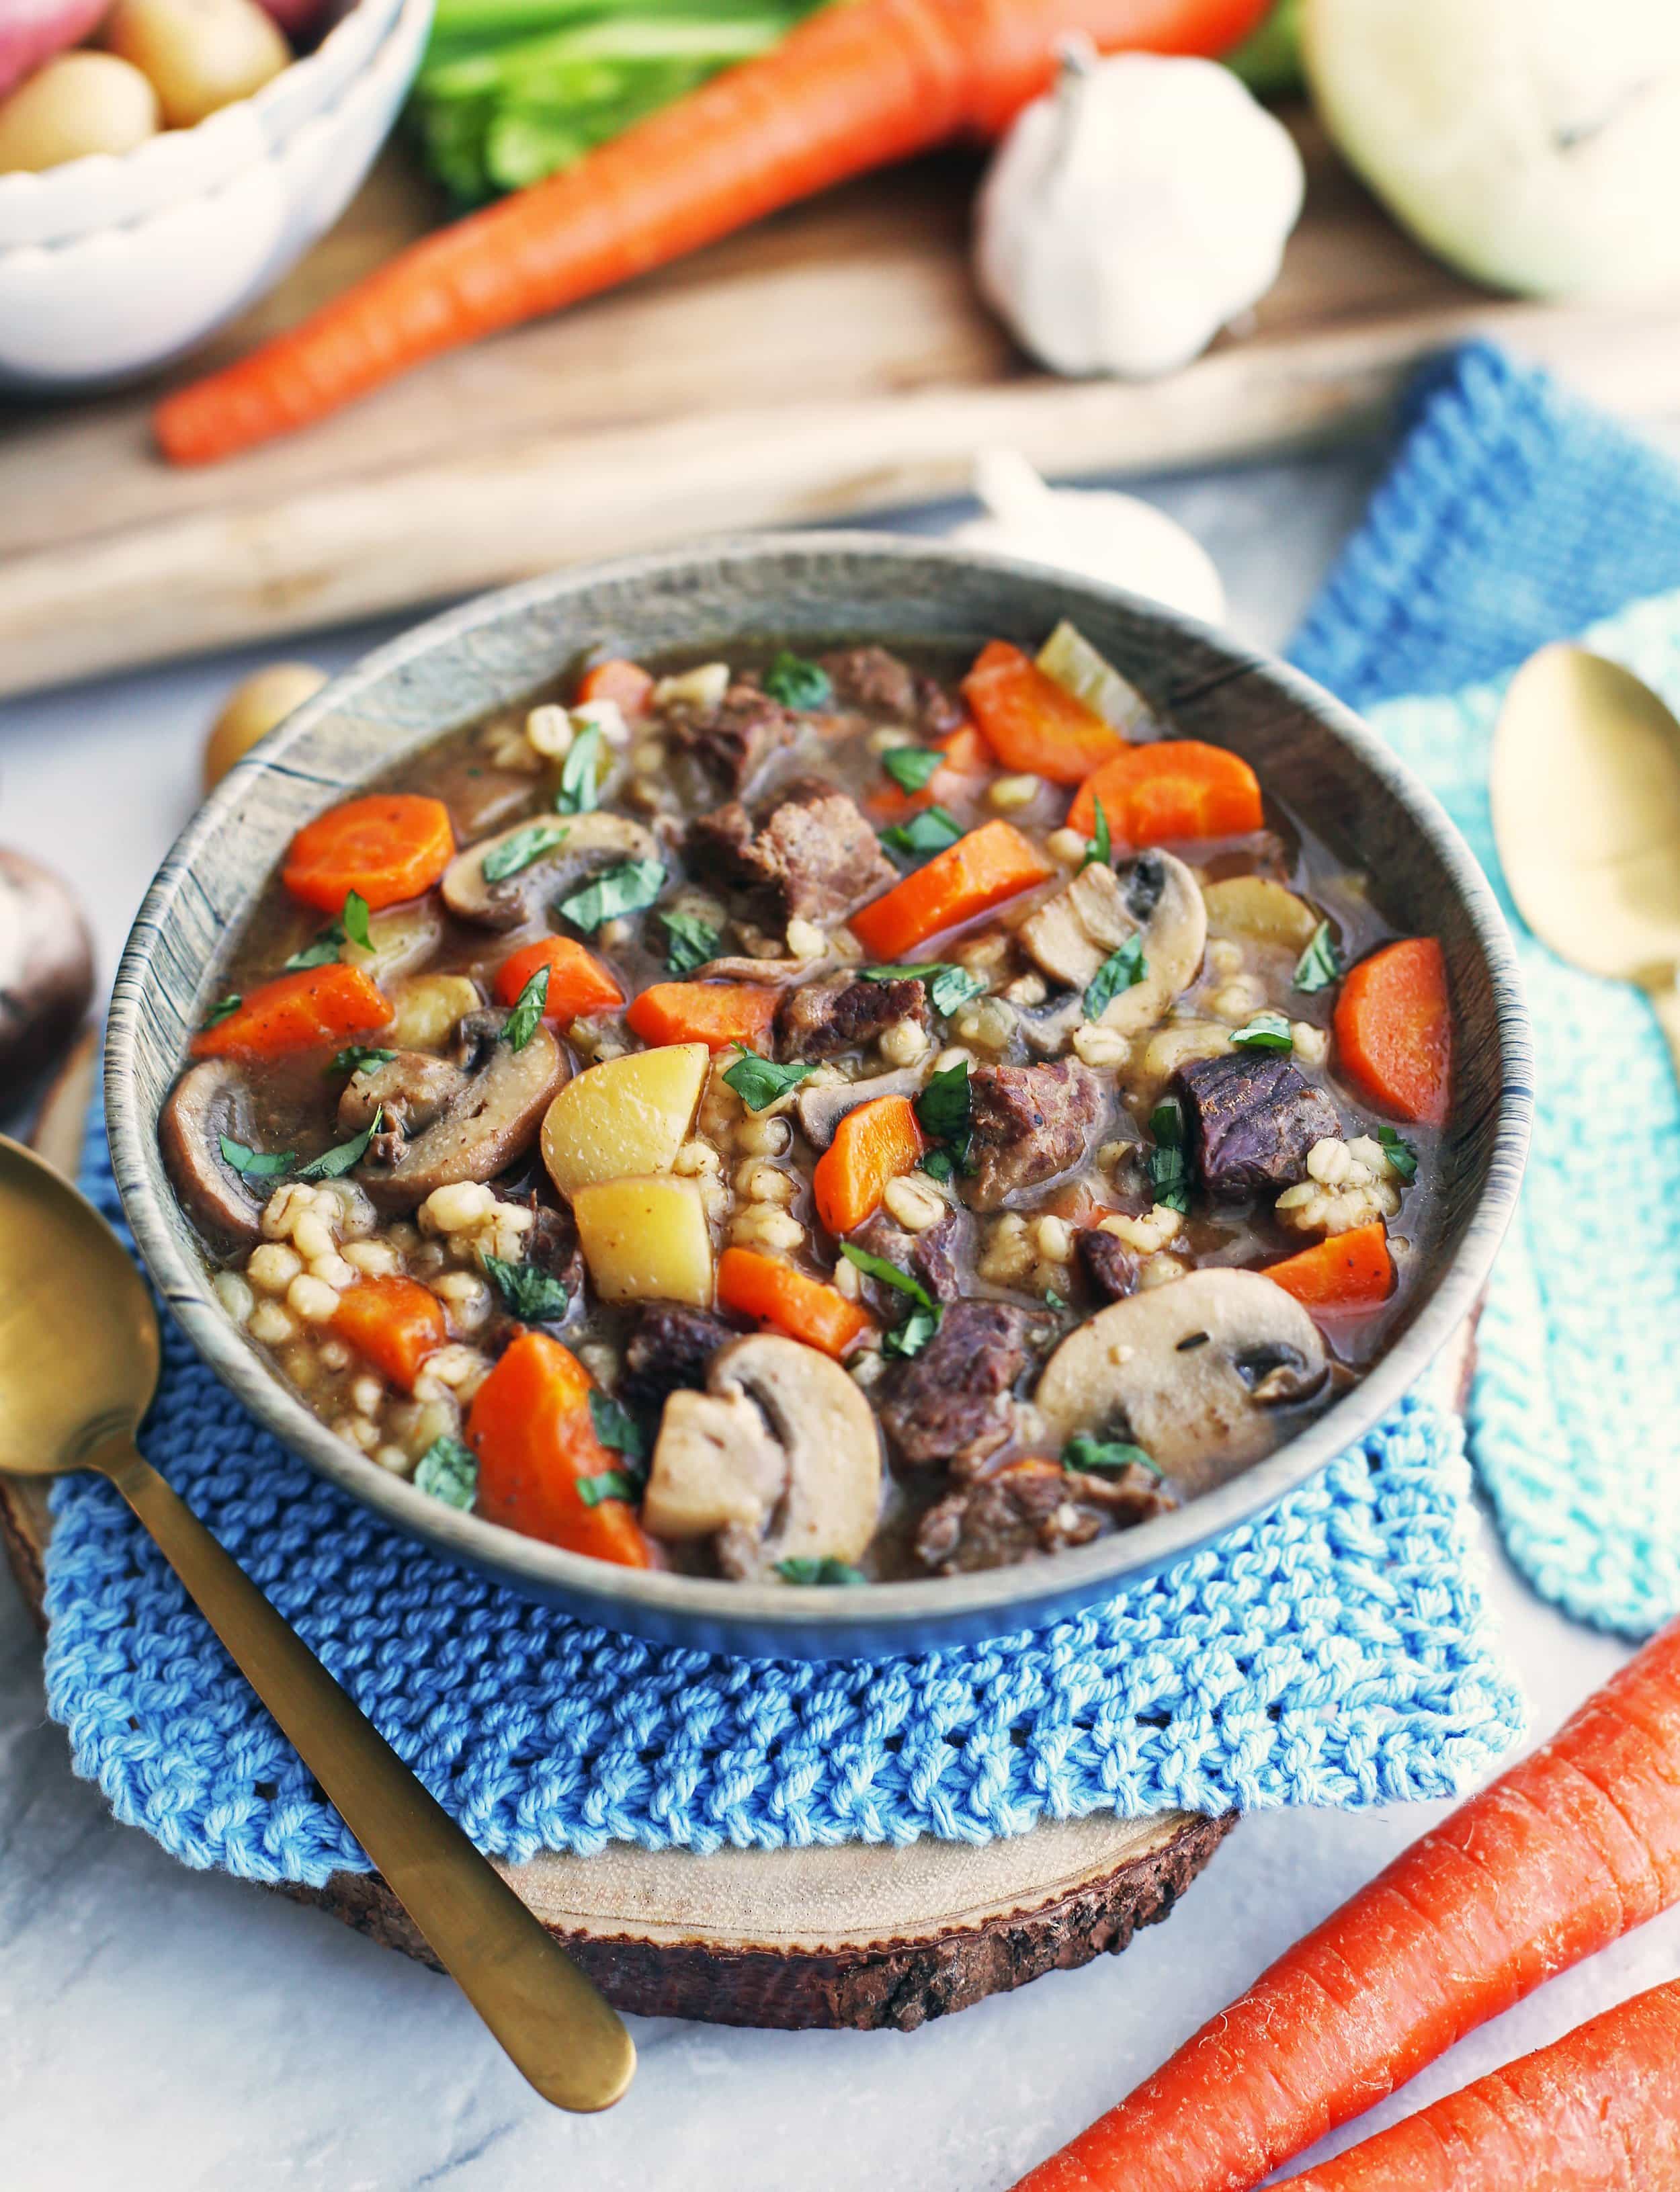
(78,1365)
(1585,794)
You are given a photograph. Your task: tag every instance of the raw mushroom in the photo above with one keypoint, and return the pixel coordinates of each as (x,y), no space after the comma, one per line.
(583,845)
(1099,910)
(489,1121)
(209,1101)
(1191,1372)
(779,1458)
(822,1109)
(46,970)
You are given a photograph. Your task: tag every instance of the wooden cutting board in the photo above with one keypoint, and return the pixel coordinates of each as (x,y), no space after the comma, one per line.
(859,1936)
(831,361)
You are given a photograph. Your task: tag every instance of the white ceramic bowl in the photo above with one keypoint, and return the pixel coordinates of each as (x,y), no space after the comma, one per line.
(110,265)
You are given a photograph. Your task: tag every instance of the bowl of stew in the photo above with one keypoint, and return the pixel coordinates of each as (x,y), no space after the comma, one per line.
(819,1095)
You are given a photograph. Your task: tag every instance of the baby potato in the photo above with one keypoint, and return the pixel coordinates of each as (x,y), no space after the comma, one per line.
(626,1115)
(428,1006)
(200,55)
(645,1240)
(255,706)
(78,104)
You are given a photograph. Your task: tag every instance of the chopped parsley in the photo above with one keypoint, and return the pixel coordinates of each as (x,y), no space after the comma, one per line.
(521,850)
(689,942)
(1320,964)
(222,1006)
(615,1426)
(580,773)
(1106,1457)
(760,1081)
(939,1163)
(523,1022)
(911,767)
(1266,1032)
(254,1164)
(626,888)
(321,953)
(334,1163)
(945,1112)
(449,1472)
(797,683)
(1401,1156)
(357,1057)
(1120,971)
(1168,1173)
(610,1484)
(949,987)
(826,1570)
(1101,846)
(930,831)
(354,921)
(918,1327)
(533,1295)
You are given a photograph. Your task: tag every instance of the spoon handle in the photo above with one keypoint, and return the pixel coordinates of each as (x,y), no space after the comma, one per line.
(558,2028)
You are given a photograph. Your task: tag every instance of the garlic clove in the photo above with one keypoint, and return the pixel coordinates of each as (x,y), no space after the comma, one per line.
(1095,532)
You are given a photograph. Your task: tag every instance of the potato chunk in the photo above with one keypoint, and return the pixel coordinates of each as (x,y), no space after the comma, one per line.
(627,1116)
(645,1239)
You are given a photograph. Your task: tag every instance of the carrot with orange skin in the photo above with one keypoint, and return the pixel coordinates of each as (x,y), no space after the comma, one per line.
(533,1432)
(1352,1270)
(1562,1855)
(1171,789)
(301,1011)
(389,847)
(1597,2111)
(873,1145)
(626,684)
(577,981)
(850,89)
(715,1014)
(396,1322)
(980,871)
(804,1308)
(1394,1029)
(1033,724)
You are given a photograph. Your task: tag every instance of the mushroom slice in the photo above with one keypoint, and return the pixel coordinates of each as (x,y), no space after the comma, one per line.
(1101,910)
(487,1124)
(1191,1371)
(208,1102)
(822,1109)
(779,1457)
(578,846)
(410,1088)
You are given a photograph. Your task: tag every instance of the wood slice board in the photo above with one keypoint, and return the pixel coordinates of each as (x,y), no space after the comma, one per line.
(831,361)
(859,1936)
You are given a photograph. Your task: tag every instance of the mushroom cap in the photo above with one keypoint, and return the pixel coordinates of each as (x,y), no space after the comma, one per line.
(583,844)
(781,1453)
(1175,937)
(46,968)
(210,1100)
(1193,1371)
(490,1121)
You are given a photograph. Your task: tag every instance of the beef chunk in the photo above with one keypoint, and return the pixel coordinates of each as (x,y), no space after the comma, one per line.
(732,742)
(1033,1507)
(1030,1122)
(671,1347)
(950,1402)
(552,1244)
(1109,1267)
(1250,1120)
(930,1256)
(870,677)
(811,858)
(822,1018)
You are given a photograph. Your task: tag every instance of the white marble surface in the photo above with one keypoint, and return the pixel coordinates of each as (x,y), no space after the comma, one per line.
(163,2029)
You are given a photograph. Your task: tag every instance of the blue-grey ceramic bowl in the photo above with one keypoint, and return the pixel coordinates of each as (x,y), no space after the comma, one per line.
(1335,774)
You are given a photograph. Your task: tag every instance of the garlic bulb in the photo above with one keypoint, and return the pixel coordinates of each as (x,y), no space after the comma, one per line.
(1132,211)
(1535,143)
(1094,532)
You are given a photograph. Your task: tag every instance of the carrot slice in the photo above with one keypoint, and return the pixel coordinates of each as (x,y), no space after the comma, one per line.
(1033,723)
(802,1307)
(979,871)
(534,1435)
(626,682)
(1394,1029)
(1174,788)
(391,845)
(1568,2118)
(577,981)
(1351,1270)
(1566,1851)
(298,1012)
(873,1145)
(715,1014)
(395,1322)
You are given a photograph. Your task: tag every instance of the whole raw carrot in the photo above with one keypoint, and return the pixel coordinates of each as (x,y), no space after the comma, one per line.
(1560,1856)
(854,86)
(1597,2111)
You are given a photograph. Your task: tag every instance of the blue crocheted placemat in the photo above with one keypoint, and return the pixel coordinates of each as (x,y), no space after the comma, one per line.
(1516,515)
